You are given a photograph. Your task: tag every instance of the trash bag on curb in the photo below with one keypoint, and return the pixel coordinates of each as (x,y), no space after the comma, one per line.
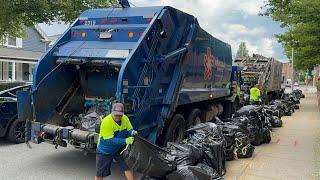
(266,135)
(209,137)
(184,154)
(245,152)
(149,159)
(214,156)
(249,110)
(277,122)
(198,172)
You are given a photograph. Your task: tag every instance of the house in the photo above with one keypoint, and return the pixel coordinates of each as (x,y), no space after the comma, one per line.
(18,56)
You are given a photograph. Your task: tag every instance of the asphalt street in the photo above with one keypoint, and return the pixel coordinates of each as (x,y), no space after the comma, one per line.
(43,161)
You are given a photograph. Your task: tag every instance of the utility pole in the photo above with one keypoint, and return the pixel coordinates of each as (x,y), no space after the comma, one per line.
(292,80)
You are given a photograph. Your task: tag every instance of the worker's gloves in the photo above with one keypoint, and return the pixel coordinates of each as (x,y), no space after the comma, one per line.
(129,140)
(133,133)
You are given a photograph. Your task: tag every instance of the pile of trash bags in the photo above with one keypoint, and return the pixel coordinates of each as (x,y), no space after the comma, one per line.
(238,138)
(258,125)
(91,119)
(288,103)
(200,156)
(203,154)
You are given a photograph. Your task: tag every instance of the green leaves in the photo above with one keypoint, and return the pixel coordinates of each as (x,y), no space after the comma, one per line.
(15,14)
(301,18)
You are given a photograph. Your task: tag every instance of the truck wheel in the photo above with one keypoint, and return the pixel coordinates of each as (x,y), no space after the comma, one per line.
(194,118)
(16,132)
(176,129)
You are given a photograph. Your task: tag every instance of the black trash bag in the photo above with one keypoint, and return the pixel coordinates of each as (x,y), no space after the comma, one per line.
(236,134)
(266,135)
(277,122)
(258,135)
(249,110)
(245,151)
(242,147)
(241,139)
(198,172)
(230,153)
(209,138)
(149,159)
(214,156)
(184,154)
(288,111)
(210,129)
(295,106)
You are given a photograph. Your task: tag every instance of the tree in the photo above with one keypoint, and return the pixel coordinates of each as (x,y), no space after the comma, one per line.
(15,14)
(242,51)
(302,23)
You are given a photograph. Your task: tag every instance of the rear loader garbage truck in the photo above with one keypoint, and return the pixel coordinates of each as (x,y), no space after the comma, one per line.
(167,71)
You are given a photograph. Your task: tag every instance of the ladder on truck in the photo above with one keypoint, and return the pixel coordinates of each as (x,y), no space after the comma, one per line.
(264,78)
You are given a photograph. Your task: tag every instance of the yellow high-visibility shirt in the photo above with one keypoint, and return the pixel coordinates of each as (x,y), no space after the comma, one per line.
(238,91)
(255,94)
(112,135)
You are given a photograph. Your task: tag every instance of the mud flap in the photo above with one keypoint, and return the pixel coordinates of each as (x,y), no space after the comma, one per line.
(24,109)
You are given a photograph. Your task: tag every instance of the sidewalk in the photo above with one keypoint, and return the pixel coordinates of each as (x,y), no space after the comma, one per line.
(294,152)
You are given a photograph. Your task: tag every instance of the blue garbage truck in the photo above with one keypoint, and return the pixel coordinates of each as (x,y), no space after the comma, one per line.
(167,71)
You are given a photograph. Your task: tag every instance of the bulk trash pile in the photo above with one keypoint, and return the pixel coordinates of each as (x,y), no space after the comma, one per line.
(203,154)
(200,156)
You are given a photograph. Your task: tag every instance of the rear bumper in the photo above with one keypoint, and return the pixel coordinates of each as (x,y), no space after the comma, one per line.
(61,136)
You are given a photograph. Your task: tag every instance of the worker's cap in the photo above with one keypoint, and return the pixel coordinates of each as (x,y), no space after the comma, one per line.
(117,109)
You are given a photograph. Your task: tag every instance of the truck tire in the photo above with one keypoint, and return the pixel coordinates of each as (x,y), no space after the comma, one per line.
(194,118)
(16,131)
(176,129)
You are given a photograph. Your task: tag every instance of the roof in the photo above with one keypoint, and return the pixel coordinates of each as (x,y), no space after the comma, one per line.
(42,33)
(121,12)
(54,38)
(16,55)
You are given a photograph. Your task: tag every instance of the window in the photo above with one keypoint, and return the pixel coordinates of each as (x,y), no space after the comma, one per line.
(5,73)
(1,71)
(10,70)
(12,41)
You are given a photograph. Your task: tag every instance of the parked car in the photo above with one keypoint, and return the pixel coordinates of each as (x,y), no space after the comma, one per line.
(10,126)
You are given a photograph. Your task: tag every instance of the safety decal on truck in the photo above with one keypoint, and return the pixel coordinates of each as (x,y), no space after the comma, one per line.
(208,64)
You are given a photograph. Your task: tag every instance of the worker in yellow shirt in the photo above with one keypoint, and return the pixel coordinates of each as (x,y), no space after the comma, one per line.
(115,132)
(255,95)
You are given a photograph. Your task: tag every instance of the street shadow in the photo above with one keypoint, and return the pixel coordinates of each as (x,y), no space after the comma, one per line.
(78,162)
(81,163)
(5,142)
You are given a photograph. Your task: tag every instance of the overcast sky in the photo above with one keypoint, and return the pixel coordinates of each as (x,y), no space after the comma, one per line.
(232,21)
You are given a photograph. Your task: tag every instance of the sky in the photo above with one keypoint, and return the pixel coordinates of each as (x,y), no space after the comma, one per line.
(231,21)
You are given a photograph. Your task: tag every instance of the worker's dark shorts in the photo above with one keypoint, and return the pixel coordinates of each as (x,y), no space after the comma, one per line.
(104,161)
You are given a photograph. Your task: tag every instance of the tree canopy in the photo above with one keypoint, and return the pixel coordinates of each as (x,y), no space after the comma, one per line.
(301,20)
(15,14)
